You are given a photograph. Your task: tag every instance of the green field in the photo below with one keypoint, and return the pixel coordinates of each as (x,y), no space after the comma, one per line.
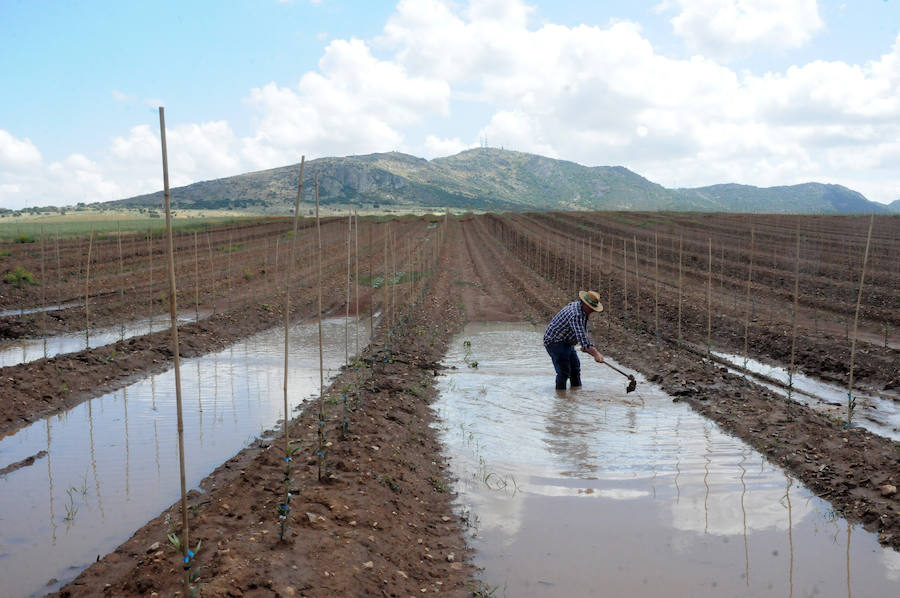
(76,224)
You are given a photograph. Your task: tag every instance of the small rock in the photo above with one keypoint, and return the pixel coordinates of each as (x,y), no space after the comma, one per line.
(888,490)
(456,566)
(451,557)
(368,565)
(312,517)
(153,547)
(402,574)
(445,518)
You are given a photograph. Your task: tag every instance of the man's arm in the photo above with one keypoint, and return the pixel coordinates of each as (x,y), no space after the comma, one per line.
(593,352)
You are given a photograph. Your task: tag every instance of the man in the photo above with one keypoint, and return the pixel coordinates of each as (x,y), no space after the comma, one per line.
(567,329)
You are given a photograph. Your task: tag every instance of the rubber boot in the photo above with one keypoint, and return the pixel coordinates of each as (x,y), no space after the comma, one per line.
(576,381)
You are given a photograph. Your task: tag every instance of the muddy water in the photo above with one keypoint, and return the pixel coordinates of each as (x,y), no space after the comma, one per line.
(112,463)
(36,310)
(599,493)
(31,349)
(879,415)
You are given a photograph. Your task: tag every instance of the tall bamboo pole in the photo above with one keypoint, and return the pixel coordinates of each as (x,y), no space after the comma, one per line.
(196,278)
(43,295)
(347,303)
(625,273)
(748,302)
(794,318)
(371,255)
(356,281)
(656,285)
(173,316)
(287,309)
(851,402)
(637,280)
(58,274)
(87,284)
(121,276)
(150,276)
(680,281)
(321,421)
(709,302)
(212,271)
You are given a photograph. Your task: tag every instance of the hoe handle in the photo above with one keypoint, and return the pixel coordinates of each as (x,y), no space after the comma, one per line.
(618,370)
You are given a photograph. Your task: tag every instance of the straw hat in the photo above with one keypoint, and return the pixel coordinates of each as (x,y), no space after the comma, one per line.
(591,299)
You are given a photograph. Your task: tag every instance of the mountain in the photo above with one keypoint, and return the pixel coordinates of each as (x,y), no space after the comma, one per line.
(894,206)
(491,179)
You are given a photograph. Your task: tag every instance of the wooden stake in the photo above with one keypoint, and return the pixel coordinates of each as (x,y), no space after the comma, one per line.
(625,273)
(709,302)
(43,295)
(87,284)
(748,301)
(356,281)
(196,278)
(851,402)
(150,275)
(121,276)
(794,319)
(173,315)
(637,280)
(656,285)
(212,271)
(680,281)
(288,278)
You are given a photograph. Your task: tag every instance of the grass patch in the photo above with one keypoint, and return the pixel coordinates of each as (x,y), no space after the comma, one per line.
(379,280)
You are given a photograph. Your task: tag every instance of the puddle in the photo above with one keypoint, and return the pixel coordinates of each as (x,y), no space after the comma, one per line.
(36,310)
(599,493)
(112,463)
(878,415)
(32,349)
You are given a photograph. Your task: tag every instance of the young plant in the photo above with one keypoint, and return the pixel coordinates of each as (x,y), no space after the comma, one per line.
(19,277)
(284,507)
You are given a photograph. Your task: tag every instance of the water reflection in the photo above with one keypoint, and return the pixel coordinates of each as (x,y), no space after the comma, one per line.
(31,349)
(676,507)
(91,497)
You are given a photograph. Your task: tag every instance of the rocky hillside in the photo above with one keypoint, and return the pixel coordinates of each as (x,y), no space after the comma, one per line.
(492,179)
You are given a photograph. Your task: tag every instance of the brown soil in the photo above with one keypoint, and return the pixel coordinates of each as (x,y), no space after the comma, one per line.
(381,522)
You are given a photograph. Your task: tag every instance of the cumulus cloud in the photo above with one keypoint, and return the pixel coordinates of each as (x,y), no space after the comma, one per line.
(725,28)
(436,147)
(354,103)
(16,153)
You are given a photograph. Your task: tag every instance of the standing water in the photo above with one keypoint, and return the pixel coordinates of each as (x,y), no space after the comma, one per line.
(597,493)
(111,463)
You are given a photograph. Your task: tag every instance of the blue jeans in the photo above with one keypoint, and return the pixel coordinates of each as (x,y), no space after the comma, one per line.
(566,364)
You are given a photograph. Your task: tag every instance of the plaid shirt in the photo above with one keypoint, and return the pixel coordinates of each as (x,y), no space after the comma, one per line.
(569,326)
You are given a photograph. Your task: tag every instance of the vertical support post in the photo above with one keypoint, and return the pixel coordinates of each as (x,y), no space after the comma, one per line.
(321,419)
(680,280)
(196,278)
(87,284)
(173,316)
(794,320)
(709,301)
(121,277)
(851,402)
(748,302)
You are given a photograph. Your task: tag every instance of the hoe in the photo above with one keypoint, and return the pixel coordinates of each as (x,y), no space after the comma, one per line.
(632,383)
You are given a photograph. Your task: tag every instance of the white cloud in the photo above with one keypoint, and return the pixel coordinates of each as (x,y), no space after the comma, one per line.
(17,153)
(354,103)
(724,28)
(436,147)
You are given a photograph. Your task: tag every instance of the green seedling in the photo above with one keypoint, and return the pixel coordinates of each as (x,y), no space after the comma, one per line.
(71,507)
(19,277)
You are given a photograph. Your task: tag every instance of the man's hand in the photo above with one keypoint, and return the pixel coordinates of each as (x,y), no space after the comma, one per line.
(594,353)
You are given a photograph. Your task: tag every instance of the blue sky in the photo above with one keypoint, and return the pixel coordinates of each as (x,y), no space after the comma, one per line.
(684,92)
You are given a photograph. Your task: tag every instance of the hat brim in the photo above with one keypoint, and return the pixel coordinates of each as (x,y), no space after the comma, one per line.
(582,295)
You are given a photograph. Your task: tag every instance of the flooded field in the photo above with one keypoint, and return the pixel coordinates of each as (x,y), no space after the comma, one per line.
(595,492)
(31,349)
(111,463)
(878,414)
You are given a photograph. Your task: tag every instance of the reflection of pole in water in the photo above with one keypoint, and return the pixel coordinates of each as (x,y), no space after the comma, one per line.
(231,381)
(199,403)
(787,496)
(50,483)
(706,481)
(215,387)
(127,447)
(94,459)
(744,513)
(155,425)
(677,459)
(849,593)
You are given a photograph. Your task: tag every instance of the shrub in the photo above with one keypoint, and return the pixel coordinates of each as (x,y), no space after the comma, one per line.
(18,276)
(23,238)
